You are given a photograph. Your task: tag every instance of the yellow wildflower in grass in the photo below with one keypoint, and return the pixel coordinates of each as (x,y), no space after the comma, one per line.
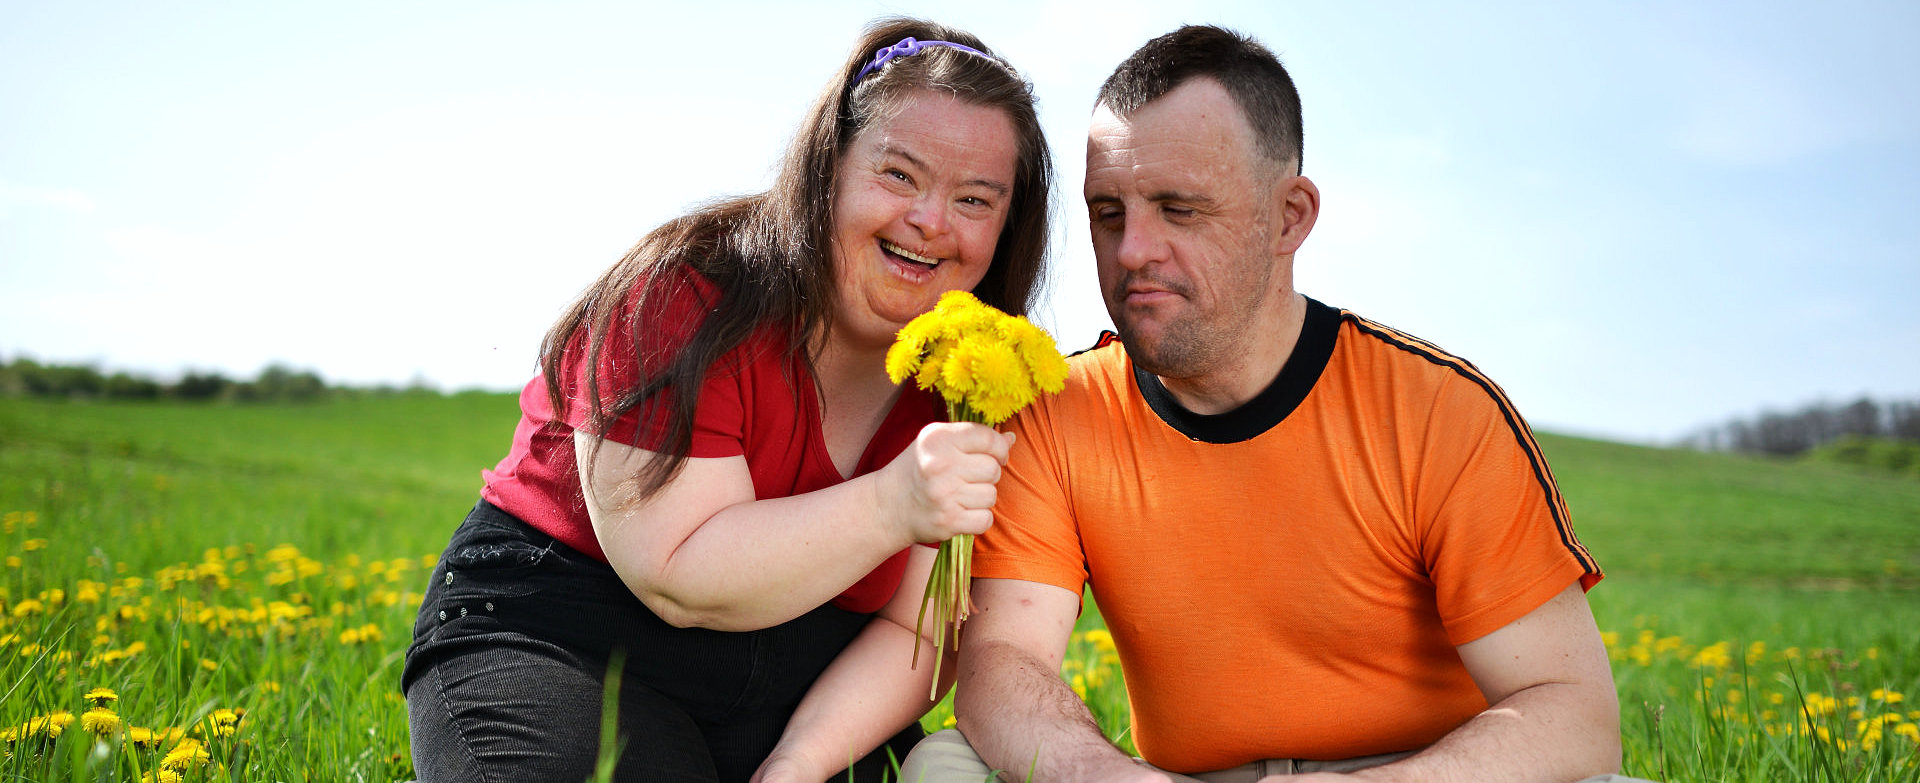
(222,722)
(99,720)
(1100,638)
(188,754)
(986,365)
(145,738)
(101,697)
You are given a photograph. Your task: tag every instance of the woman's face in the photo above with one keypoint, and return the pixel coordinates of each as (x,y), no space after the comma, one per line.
(918,204)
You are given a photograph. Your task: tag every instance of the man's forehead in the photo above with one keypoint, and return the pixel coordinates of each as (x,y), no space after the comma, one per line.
(1200,109)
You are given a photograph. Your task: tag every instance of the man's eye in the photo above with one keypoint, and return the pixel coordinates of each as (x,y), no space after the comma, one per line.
(1177,213)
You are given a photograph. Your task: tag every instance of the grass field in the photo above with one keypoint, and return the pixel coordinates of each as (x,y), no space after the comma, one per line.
(224,593)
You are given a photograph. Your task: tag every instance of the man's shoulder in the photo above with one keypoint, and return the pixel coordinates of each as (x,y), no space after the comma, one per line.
(1099,364)
(1402,350)
(1395,366)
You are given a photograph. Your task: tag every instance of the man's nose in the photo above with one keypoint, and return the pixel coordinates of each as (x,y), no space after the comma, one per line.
(1142,242)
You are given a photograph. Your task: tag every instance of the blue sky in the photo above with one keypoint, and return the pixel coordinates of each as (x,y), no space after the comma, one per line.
(1639,219)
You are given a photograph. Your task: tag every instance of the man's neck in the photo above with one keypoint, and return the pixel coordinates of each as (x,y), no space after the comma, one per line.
(1261,359)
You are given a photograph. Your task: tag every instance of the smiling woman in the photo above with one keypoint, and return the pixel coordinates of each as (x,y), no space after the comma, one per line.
(918,206)
(714,474)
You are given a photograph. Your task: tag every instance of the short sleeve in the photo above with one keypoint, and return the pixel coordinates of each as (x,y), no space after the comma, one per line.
(1034,536)
(1496,535)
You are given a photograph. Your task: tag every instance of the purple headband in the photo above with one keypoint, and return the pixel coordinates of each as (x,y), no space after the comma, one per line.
(908,47)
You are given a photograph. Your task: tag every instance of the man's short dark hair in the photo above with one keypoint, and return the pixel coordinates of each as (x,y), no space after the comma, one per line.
(1251,74)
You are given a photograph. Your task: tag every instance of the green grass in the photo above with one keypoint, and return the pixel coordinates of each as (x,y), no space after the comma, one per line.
(269,559)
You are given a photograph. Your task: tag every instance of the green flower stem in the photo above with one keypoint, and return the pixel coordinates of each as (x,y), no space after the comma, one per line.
(947,585)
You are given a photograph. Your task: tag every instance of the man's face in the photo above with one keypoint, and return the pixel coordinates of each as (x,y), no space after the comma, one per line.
(1183,229)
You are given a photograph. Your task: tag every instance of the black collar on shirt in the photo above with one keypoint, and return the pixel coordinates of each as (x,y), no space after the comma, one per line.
(1271,405)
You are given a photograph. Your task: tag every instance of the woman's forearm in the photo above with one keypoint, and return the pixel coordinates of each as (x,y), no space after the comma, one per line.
(704,551)
(869,693)
(866,696)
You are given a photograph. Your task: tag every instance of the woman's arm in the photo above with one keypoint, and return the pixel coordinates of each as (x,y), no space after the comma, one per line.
(703,551)
(868,694)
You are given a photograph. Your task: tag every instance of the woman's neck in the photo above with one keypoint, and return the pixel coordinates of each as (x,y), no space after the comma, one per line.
(855,397)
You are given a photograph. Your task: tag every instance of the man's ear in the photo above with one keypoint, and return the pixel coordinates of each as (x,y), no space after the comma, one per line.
(1297,202)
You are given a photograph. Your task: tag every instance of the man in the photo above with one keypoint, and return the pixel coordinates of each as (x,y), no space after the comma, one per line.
(1321,545)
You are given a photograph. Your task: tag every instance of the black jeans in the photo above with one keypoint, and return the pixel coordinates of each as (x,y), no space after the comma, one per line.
(504,677)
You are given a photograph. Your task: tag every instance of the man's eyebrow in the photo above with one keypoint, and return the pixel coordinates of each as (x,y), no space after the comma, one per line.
(1159,197)
(1182,197)
(894,150)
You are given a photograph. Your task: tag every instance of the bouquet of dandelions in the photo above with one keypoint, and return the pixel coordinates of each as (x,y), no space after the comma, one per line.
(987,365)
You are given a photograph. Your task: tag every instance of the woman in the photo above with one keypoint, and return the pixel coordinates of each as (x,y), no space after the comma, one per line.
(713,479)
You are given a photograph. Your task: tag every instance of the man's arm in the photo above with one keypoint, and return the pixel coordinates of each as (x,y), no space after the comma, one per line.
(1554,714)
(1012,705)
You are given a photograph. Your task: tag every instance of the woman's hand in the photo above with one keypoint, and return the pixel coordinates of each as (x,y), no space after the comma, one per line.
(942,485)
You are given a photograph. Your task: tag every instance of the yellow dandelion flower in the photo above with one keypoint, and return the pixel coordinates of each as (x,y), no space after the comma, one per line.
(27,607)
(1100,638)
(186,755)
(223,722)
(50,725)
(164,775)
(99,720)
(905,355)
(33,544)
(102,696)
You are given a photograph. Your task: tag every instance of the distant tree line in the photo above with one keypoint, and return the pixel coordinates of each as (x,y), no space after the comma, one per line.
(1813,426)
(24,377)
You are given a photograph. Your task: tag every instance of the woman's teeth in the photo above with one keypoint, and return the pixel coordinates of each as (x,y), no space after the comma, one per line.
(907,254)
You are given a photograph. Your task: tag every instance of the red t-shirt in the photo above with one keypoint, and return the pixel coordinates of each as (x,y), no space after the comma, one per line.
(758,401)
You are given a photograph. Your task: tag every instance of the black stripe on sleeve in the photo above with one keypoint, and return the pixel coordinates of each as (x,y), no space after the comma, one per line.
(1555,503)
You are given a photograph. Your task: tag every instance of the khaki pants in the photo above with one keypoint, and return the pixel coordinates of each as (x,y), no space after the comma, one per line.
(945,757)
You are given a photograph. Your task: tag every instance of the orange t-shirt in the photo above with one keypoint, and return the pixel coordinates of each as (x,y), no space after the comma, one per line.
(1290,579)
